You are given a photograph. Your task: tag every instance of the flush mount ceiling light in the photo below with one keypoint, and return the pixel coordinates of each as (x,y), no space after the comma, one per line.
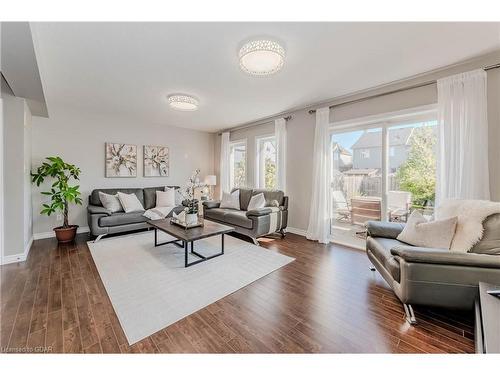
(261,57)
(183,102)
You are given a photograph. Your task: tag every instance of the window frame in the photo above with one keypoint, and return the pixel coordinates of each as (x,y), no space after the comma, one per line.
(260,180)
(232,145)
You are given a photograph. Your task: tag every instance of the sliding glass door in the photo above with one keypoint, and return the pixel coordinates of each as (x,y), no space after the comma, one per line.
(381,171)
(356,183)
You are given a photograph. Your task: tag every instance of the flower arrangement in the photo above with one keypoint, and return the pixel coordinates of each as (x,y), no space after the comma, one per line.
(188,193)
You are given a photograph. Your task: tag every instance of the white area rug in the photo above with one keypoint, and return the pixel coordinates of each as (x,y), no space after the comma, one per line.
(150,288)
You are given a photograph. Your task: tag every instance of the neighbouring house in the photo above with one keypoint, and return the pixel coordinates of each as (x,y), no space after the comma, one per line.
(342,158)
(367,150)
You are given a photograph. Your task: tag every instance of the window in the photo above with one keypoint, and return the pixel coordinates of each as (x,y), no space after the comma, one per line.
(365,154)
(266,162)
(392,151)
(237,164)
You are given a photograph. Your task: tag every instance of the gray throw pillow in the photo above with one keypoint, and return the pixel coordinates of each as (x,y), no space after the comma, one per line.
(110,202)
(434,234)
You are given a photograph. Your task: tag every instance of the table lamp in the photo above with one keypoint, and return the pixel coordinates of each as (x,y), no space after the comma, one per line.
(211,180)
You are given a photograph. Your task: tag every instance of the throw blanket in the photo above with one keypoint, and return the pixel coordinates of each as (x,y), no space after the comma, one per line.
(471,214)
(158,213)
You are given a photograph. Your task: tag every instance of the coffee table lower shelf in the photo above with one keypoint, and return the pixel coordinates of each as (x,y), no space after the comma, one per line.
(184,244)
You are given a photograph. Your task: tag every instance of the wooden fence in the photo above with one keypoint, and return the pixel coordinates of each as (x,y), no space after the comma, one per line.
(363,185)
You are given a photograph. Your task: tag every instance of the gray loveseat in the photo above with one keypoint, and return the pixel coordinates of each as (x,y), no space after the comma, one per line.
(103,222)
(254,223)
(434,277)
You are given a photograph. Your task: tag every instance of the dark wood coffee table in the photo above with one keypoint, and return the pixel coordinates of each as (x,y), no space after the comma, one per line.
(184,237)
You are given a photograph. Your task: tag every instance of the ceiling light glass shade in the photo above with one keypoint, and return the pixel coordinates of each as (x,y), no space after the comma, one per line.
(261,57)
(183,102)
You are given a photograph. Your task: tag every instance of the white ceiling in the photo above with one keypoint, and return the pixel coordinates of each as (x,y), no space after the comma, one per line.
(129,68)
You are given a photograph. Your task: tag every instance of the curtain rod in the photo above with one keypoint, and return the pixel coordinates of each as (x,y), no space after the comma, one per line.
(286,118)
(415,86)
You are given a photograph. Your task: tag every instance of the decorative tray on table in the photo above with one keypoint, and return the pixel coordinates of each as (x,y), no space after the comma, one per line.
(184,225)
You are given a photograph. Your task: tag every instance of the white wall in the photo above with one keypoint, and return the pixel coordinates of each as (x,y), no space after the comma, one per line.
(79,136)
(16,149)
(28,207)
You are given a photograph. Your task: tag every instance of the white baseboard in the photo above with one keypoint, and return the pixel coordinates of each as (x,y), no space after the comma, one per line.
(7,259)
(300,232)
(43,235)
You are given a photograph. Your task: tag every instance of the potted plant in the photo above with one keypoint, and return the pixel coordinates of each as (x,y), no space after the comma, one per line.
(61,193)
(190,202)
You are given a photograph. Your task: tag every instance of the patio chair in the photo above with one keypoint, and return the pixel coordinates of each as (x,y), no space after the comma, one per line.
(341,206)
(398,205)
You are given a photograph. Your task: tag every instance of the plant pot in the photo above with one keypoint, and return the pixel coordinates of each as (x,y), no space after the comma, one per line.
(65,235)
(191,219)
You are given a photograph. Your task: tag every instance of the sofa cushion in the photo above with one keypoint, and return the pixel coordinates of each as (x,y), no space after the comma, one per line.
(229,216)
(122,218)
(238,218)
(96,201)
(245,195)
(215,213)
(381,249)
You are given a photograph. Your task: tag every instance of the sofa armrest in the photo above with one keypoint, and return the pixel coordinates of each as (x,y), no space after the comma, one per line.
(93,210)
(414,254)
(384,229)
(259,212)
(211,204)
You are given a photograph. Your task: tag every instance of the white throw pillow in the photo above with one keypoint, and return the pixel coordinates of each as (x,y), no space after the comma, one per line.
(231,200)
(110,202)
(257,201)
(435,234)
(165,198)
(130,202)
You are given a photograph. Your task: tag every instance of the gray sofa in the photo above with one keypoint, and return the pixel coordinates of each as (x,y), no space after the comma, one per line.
(434,277)
(103,222)
(254,223)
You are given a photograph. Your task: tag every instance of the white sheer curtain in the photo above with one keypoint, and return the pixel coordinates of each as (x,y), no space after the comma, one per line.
(225,183)
(320,208)
(462,165)
(280,134)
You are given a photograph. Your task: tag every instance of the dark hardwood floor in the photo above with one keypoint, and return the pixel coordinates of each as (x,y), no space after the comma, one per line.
(327,300)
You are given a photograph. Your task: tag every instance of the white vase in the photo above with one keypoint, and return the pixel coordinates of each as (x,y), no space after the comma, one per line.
(191,219)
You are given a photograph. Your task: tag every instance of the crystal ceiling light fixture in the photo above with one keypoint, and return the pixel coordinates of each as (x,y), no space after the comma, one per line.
(183,102)
(261,57)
